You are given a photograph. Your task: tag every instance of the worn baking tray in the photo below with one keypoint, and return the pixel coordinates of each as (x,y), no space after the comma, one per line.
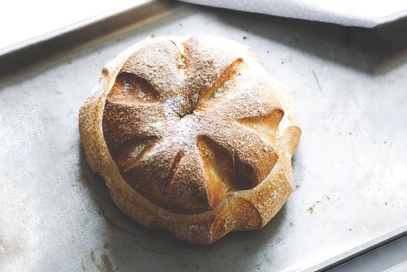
(350,168)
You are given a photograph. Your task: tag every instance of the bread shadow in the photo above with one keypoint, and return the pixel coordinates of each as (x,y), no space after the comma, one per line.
(372,51)
(129,246)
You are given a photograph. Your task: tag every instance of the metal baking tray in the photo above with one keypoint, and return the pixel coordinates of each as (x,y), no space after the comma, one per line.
(350,169)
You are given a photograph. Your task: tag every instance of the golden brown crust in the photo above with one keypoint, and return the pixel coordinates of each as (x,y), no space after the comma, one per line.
(193,135)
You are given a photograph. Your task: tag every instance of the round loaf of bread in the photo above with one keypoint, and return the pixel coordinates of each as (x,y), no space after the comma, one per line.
(193,135)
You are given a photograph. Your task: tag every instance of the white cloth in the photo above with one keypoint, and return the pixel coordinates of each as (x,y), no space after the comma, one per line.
(362,13)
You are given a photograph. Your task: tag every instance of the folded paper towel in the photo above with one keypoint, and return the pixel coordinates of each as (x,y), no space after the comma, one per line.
(361,13)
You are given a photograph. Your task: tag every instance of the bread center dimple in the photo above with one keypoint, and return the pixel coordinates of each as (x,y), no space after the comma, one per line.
(185,131)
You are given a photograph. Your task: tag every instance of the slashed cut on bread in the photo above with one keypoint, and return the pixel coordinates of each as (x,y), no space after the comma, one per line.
(192,134)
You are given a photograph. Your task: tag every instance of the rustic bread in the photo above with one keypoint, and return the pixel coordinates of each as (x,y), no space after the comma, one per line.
(191,134)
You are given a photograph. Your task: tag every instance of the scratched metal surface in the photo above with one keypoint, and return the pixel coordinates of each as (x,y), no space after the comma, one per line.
(349,170)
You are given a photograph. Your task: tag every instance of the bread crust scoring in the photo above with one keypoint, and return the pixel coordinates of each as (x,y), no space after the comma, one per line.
(191,134)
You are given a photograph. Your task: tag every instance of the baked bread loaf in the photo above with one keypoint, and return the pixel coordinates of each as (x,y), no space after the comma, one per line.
(192,134)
